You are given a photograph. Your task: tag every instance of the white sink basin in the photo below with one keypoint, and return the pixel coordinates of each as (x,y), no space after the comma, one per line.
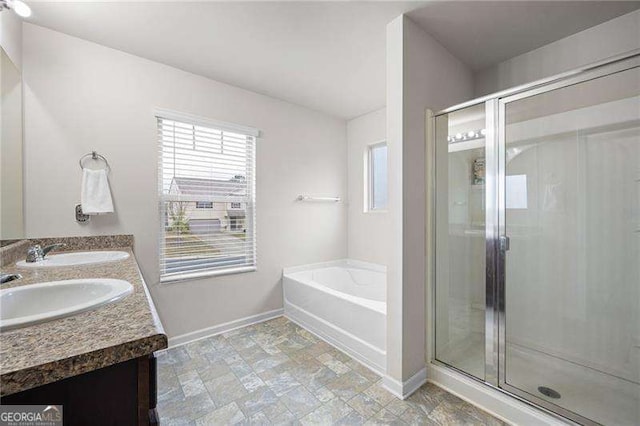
(30,304)
(76,258)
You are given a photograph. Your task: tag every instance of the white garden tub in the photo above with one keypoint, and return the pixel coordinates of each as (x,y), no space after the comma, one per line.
(345,303)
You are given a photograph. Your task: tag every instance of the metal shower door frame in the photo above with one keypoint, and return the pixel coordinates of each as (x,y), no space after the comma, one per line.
(496,239)
(497,250)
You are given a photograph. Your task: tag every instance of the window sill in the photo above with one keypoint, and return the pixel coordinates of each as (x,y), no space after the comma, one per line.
(174,278)
(376,211)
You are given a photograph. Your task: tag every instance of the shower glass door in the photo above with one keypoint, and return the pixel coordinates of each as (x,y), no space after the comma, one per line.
(460,240)
(569,198)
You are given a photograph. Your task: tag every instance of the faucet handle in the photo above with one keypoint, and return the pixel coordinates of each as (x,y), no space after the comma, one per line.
(35,254)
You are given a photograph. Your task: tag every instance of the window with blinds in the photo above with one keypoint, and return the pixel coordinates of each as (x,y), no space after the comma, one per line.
(207,197)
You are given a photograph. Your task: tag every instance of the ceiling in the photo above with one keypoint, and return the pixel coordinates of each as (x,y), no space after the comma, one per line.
(487,32)
(327,56)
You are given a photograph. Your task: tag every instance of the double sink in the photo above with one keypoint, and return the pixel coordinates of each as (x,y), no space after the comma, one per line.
(30,304)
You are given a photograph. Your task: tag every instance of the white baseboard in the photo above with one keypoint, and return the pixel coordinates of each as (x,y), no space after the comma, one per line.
(223,328)
(496,403)
(404,389)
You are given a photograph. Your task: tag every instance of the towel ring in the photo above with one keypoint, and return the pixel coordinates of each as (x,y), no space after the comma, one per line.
(94,156)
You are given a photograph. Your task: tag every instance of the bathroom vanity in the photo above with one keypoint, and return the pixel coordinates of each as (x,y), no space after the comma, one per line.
(98,364)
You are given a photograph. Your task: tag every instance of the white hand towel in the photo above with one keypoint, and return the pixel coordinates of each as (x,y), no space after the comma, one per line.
(96,194)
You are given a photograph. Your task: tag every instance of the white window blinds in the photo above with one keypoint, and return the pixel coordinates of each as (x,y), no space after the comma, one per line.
(207,197)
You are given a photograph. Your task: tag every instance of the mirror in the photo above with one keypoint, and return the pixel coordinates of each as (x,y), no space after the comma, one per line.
(11,206)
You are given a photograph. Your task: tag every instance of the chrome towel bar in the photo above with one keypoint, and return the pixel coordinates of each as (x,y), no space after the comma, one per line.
(310,198)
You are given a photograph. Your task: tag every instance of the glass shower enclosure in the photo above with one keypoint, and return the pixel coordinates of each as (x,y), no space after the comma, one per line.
(537,242)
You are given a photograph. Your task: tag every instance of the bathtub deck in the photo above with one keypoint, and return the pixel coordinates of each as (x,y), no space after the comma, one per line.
(276,372)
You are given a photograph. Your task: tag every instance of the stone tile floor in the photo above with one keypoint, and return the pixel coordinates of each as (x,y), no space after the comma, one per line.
(277,373)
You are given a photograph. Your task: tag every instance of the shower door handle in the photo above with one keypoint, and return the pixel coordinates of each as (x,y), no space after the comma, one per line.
(505,243)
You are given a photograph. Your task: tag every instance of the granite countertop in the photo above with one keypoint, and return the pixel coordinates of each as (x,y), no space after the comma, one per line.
(47,352)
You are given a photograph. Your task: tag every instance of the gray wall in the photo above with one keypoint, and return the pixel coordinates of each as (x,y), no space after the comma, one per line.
(608,39)
(81,96)
(11,212)
(369,233)
(416,68)
(11,36)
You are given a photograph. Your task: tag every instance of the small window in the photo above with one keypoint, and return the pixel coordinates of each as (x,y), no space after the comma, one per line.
(377,177)
(204,204)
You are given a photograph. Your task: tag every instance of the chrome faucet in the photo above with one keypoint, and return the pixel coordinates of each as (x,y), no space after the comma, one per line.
(5,278)
(56,246)
(36,253)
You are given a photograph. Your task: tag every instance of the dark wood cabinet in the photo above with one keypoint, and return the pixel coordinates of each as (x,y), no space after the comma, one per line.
(121,394)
